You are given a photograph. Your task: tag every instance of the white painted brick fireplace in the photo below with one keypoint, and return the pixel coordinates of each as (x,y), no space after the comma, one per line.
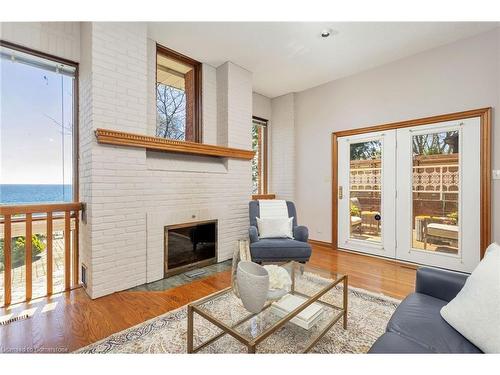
(131,194)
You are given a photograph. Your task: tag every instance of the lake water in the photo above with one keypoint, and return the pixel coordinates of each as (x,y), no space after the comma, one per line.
(20,194)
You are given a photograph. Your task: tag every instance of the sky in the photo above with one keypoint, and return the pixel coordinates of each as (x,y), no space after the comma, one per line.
(31,147)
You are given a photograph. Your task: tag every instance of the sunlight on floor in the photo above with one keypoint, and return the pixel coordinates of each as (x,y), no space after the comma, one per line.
(6,317)
(49,307)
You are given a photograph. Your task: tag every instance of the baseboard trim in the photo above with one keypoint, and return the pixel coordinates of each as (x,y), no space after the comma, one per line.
(320,243)
(401,263)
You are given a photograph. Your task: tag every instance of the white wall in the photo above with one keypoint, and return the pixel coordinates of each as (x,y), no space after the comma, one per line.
(234,106)
(282,178)
(209,104)
(113,95)
(456,77)
(60,39)
(261,106)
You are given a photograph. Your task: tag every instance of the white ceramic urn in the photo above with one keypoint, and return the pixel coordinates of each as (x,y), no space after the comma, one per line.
(253,285)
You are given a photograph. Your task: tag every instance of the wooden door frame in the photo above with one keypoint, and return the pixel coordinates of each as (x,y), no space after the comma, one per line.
(485,149)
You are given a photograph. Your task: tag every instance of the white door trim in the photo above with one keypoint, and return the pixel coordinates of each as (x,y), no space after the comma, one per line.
(387,247)
(469,197)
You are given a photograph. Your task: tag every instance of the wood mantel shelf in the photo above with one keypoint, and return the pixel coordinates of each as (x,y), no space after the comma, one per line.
(113,137)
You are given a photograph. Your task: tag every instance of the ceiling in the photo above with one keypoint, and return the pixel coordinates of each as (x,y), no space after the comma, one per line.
(291,56)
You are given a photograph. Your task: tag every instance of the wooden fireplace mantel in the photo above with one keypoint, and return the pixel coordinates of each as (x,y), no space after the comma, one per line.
(114,137)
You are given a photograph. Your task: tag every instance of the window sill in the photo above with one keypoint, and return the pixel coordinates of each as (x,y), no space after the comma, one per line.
(118,138)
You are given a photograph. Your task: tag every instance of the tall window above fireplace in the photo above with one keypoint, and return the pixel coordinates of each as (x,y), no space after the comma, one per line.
(178,96)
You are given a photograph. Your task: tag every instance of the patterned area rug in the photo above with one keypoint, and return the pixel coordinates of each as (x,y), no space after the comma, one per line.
(368,315)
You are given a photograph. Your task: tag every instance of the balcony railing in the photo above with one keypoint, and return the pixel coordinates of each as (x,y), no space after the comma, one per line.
(58,223)
(438,178)
(441,179)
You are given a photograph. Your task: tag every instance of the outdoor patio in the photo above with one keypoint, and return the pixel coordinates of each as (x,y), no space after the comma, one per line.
(435,201)
(417,244)
(39,275)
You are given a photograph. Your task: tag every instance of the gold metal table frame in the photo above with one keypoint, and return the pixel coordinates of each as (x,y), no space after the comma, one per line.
(251,344)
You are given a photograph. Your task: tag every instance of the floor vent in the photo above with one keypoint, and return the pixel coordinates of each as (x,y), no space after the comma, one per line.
(195,273)
(15,319)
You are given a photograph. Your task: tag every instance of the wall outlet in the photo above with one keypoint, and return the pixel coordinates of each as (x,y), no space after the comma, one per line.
(496,174)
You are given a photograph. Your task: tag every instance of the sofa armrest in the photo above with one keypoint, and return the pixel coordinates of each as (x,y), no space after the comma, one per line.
(441,284)
(301,233)
(253,234)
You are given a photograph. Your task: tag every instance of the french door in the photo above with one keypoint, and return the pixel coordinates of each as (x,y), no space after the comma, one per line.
(367,209)
(413,194)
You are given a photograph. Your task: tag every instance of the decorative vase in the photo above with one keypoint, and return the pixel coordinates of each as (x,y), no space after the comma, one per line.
(242,252)
(253,285)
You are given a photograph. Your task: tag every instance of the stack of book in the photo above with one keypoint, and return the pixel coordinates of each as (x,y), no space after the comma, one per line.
(306,319)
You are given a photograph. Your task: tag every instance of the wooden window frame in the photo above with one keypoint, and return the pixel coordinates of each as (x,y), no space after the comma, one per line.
(263,157)
(76,100)
(197,66)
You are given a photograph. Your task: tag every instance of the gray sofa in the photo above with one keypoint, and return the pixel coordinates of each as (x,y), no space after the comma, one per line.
(417,326)
(278,249)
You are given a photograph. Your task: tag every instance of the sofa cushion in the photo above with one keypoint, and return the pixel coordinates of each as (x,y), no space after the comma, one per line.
(479,302)
(443,230)
(279,248)
(393,343)
(275,227)
(418,318)
(254,212)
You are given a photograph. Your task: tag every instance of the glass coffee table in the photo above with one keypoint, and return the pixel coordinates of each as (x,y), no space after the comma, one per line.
(279,330)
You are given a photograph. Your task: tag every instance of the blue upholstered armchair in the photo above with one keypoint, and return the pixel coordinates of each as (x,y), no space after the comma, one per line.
(278,249)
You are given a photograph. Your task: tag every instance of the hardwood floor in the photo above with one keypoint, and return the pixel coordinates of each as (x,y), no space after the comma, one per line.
(68,321)
(378,275)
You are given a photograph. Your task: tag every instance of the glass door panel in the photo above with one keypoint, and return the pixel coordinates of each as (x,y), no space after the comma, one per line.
(436,182)
(365,196)
(438,199)
(366,206)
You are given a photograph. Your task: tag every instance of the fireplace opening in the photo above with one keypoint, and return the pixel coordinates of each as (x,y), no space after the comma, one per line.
(189,246)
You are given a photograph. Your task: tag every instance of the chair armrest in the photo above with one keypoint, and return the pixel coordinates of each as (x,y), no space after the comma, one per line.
(301,233)
(253,234)
(440,284)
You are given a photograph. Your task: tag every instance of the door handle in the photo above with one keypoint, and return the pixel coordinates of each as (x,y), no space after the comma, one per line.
(341,192)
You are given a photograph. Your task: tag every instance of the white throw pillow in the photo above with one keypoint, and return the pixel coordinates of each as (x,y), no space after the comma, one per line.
(275,228)
(475,311)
